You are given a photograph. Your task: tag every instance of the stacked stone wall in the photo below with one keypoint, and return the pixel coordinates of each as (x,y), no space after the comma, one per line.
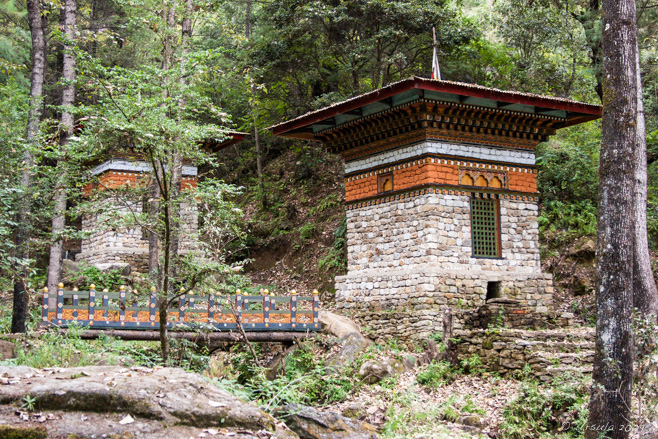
(130,244)
(436,229)
(409,259)
(548,353)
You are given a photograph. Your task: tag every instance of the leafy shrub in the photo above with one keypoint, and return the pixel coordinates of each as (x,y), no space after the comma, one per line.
(335,258)
(548,411)
(89,274)
(437,374)
(472,365)
(306,232)
(568,182)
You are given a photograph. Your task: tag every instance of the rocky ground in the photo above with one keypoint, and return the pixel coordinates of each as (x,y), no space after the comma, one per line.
(115,402)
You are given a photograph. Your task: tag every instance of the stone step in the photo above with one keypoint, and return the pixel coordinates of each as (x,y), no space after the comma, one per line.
(555,371)
(549,346)
(557,359)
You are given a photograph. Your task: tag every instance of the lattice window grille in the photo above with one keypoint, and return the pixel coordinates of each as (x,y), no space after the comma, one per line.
(484,228)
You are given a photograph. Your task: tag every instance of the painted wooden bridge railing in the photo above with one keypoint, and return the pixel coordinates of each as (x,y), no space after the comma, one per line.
(112,310)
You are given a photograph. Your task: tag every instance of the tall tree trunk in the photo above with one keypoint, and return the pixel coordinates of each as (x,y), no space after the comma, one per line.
(153,211)
(177,159)
(169,16)
(19,312)
(259,163)
(645,293)
(164,291)
(610,402)
(68,99)
(259,159)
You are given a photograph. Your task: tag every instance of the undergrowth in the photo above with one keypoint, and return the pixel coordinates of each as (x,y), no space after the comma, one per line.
(555,410)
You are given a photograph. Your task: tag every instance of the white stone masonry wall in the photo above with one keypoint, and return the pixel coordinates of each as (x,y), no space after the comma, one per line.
(433,147)
(436,229)
(130,244)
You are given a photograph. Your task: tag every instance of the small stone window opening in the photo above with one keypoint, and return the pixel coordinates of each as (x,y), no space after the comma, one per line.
(493,290)
(385,183)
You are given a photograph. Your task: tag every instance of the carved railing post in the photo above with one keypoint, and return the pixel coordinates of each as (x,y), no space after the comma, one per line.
(266,308)
(293,309)
(44,312)
(92,306)
(74,302)
(316,308)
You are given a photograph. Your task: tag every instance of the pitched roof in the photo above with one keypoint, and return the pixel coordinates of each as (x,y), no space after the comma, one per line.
(410,89)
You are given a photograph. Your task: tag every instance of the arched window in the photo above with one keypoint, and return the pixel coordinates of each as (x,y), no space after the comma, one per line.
(467,180)
(385,182)
(481,181)
(495,182)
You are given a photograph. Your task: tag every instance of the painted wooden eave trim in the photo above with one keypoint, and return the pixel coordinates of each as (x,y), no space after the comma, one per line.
(586,111)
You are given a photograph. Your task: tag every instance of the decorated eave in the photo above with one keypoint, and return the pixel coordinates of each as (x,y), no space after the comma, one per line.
(561,112)
(231,138)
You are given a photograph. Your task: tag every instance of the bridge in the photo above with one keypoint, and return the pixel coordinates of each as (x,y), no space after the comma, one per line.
(130,316)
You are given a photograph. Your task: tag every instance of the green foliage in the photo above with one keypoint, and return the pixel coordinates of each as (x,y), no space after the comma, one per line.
(28,403)
(111,280)
(306,232)
(437,374)
(545,44)
(335,258)
(54,349)
(472,365)
(33,317)
(331,201)
(558,410)
(188,355)
(568,184)
(58,350)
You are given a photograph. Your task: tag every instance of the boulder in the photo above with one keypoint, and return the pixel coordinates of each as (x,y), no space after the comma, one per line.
(470,420)
(310,423)
(69,268)
(583,250)
(7,350)
(337,325)
(374,371)
(156,399)
(355,410)
(352,345)
(123,268)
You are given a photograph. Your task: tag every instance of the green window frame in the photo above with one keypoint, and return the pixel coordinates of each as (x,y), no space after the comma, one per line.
(485,227)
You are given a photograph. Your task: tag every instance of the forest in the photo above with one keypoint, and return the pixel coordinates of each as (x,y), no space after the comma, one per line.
(178,83)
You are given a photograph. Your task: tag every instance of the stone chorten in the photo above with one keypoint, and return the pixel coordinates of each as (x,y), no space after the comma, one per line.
(130,245)
(441,198)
